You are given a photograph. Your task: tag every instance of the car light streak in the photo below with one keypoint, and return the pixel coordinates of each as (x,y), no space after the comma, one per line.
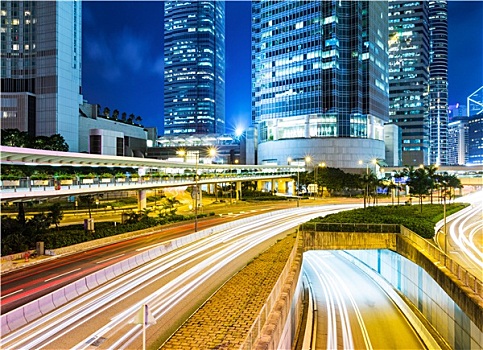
(62,274)
(111,258)
(10,294)
(335,299)
(461,232)
(198,260)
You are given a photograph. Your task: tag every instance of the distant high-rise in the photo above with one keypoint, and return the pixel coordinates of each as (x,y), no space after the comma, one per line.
(194,70)
(41,57)
(320,81)
(438,82)
(409,59)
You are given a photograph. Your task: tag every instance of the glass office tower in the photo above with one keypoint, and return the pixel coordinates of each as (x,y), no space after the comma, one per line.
(41,57)
(319,73)
(409,77)
(194,71)
(438,82)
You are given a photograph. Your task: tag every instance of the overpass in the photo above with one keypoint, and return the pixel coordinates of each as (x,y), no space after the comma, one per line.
(184,173)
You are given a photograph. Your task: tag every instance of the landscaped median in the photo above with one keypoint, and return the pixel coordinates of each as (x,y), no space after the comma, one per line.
(225,320)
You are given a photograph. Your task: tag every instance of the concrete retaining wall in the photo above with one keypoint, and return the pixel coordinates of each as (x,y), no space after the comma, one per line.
(464,291)
(282,325)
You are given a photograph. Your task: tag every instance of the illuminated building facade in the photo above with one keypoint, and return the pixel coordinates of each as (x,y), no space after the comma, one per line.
(457,146)
(194,70)
(319,80)
(41,57)
(409,58)
(438,82)
(475,138)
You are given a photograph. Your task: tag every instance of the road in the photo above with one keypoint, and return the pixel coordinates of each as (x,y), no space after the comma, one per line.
(464,235)
(173,286)
(19,287)
(353,312)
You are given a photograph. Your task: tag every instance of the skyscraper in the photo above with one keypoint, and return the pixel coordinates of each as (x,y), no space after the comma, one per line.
(320,81)
(409,50)
(438,82)
(41,57)
(194,73)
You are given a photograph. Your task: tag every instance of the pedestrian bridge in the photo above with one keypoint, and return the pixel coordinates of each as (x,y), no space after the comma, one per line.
(174,174)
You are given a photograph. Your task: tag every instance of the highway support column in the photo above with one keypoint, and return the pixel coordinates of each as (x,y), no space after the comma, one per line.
(141,200)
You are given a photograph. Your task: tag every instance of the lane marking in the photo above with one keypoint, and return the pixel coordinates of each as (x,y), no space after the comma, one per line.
(7,295)
(63,274)
(114,257)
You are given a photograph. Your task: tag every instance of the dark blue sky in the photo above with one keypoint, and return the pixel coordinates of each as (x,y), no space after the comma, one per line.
(123,57)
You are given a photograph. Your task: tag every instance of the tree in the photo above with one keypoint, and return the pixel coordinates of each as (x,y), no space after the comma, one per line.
(431,173)
(398,175)
(106,112)
(15,138)
(419,183)
(115,114)
(88,199)
(123,116)
(131,118)
(56,214)
(138,119)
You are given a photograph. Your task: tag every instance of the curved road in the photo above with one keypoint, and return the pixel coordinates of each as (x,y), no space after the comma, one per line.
(464,235)
(353,312)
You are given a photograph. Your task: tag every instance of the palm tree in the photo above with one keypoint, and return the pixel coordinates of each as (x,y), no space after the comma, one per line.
(398,175)
(419,183)
(106,112)
(131,118)
(123,116)
(115,114)
(138,119)
(431,172)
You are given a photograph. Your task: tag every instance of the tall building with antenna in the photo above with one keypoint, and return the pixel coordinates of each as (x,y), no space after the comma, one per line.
(194,67)
(438,82)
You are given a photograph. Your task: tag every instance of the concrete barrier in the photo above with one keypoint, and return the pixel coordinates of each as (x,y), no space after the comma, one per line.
(32,311)
(91,281)
(14,319)
(46,304)
(101,276)
(70,292)
(81,286)
(58,297)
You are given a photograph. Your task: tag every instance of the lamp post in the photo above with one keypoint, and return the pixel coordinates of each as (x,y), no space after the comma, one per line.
(316,178)
(195,192)
(366,194)
(289,160)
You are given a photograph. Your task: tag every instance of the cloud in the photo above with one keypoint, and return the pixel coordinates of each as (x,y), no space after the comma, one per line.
(158,67)
(114,54)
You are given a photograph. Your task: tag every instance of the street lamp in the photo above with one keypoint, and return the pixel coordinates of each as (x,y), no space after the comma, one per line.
(195,192)
(366,194)
(289,161)
(316,178)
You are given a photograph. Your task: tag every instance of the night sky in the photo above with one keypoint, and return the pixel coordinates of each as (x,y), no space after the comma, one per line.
(123,57)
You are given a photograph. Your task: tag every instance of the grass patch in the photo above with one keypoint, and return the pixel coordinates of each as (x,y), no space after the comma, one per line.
(409,216)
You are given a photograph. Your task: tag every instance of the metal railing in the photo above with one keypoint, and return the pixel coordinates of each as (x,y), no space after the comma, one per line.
(350,227)
(429,249)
